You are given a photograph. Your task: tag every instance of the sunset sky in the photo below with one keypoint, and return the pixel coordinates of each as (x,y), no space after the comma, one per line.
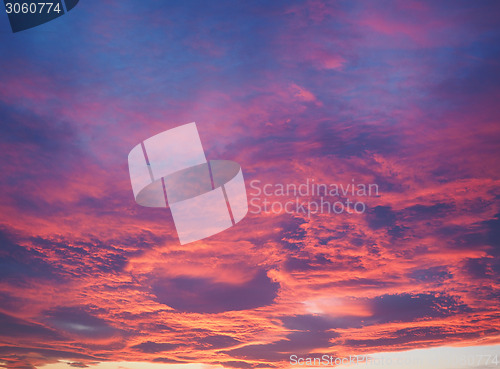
(401,94)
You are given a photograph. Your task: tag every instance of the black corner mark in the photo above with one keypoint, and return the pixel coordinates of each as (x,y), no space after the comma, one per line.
(25,14)
(70,4)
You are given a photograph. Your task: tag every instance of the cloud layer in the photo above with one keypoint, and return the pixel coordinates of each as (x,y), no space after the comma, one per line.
(401,94)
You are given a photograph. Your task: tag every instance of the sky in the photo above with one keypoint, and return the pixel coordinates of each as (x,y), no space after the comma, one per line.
(401,94)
